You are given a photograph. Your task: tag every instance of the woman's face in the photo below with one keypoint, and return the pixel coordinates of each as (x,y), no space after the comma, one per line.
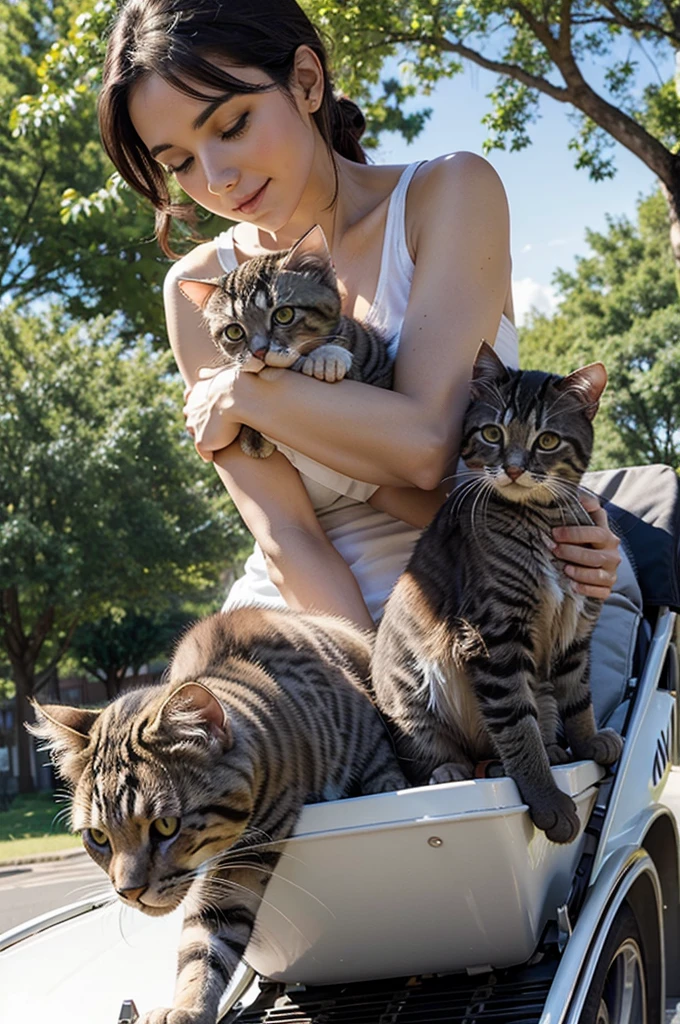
(249,157)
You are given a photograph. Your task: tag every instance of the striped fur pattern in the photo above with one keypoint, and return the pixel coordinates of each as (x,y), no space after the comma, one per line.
(285,309)
(483,651)
(184,791)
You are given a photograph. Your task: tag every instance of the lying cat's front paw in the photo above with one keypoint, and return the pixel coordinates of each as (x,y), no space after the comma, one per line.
(453,771)
(557,817)
(166,1015)
(328,362)
(604,747)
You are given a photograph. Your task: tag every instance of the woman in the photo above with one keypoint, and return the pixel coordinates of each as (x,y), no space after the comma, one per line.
(234,100)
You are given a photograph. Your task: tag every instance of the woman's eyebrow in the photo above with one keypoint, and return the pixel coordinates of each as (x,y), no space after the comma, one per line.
(205,114)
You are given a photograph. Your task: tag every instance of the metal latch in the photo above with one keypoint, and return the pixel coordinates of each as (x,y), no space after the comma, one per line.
(128,1013)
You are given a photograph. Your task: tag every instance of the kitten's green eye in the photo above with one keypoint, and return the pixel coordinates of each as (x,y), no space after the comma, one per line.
(548,442)
(98,837)
(284,315)
(234,332)
(165,827)
(491,433)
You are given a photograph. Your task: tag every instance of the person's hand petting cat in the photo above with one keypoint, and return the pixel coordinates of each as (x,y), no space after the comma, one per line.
(591,553)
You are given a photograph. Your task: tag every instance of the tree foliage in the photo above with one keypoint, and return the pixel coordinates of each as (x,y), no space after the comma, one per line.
(620,305)
(103,504)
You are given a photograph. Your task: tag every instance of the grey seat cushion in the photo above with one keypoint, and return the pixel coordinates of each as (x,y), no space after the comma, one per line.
(613,646)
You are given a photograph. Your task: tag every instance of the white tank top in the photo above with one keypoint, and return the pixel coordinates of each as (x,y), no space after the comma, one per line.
(375,546)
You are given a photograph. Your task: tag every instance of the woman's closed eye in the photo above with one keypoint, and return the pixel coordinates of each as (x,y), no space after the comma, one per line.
(234,132)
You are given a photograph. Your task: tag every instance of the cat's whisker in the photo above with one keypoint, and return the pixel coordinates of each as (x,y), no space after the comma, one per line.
(231,885)
(282,878)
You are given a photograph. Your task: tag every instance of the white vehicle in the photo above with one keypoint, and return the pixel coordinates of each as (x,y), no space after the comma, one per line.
(444,903)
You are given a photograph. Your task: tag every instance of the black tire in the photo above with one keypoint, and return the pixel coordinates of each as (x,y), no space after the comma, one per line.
(624,956)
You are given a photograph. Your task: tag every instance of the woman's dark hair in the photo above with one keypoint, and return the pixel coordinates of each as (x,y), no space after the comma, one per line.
(178,40)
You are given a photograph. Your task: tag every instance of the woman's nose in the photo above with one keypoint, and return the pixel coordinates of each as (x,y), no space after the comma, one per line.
(221,180)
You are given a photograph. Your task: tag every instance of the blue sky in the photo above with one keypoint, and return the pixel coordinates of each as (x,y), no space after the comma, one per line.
(551,203)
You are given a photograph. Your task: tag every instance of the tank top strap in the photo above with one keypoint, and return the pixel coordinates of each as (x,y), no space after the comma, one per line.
(395,249)
(226,256)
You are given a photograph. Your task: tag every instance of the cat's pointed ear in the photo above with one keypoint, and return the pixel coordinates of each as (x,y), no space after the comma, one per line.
(588,383)
(310,252)
(193,712)
(66,734)
(197,291)
(489,366)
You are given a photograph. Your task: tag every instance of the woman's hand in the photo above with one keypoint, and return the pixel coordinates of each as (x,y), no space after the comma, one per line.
(591,552)
(209,407)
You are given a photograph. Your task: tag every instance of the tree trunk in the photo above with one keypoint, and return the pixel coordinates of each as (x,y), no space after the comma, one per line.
(24,713)
(672,195)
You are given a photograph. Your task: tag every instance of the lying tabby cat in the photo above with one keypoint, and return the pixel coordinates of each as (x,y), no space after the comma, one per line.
(484,644)
(285,309)
(264,712)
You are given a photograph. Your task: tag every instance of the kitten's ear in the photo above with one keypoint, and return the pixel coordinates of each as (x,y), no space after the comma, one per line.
(199,291)
(193,712)
(310,252)
(488,366)
(588,383)
(66,732)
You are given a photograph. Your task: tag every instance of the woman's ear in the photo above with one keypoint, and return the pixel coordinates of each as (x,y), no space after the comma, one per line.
(308,76)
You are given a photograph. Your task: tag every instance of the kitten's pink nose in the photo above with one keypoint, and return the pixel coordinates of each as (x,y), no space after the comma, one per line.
(132,894)
(260,353)
(513,472)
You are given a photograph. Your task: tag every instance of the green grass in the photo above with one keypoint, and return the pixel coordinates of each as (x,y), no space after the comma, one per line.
(29,827)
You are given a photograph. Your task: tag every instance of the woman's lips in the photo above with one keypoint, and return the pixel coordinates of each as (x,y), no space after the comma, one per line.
(250,204)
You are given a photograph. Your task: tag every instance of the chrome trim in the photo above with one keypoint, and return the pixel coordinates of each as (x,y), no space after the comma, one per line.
(579,959)
(49,920)
(232,997)
(647,689)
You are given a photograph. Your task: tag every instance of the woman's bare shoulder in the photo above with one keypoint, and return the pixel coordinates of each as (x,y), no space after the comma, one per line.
(201,261)
(443,188)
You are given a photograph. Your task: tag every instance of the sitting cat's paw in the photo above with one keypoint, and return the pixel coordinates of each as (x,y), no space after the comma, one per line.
(328,362)
(453,771)
(166,1015)
(557,754)
(604,747)
(557,817)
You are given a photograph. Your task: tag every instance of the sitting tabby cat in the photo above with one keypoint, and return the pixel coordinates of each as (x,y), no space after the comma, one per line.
(284,308)
(184,789)
(484,644)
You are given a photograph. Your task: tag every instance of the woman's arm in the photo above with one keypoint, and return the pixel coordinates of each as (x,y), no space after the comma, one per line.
(301,561)
(268,493)
(407,436)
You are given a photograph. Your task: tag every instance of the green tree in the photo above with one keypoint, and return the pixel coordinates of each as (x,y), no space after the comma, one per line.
(103,504)
(620,305)
(125,640)
(537,48)
(94,266)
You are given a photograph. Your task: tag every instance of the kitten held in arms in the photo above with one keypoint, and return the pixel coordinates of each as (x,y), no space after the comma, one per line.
(284,308)
(484,644)
(184,791)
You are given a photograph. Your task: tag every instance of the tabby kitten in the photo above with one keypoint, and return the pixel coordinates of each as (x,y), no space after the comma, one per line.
(484,645)
(183,790)
(284,308)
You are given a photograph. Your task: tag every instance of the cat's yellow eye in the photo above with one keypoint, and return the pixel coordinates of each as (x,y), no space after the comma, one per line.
(98,837)
(491,433)
(548,441)
(165,827)
(234,332)
(284,315)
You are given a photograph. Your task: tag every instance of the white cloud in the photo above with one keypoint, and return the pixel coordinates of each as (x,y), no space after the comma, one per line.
(529,294)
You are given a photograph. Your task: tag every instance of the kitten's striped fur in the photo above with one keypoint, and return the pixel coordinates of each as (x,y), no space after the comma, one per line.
(265,710)
(318,341)
(484,645)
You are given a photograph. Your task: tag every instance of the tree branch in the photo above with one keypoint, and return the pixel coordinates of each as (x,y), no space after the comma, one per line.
(44,676)
(16,239)
(641,25)
(498,66)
